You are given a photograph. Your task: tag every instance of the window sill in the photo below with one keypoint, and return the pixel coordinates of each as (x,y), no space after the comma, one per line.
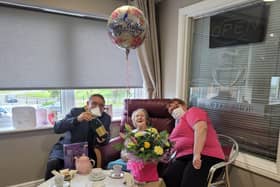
(12,130)
(258,165)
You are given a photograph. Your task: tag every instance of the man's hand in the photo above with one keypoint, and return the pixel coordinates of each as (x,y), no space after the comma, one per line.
(197,161)
(85,116)
(100,140)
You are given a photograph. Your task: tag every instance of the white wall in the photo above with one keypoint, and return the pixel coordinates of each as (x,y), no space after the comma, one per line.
(24,155)
(168,31)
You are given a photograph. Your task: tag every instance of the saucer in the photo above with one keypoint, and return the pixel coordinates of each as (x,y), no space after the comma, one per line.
(65,184)
(114,176)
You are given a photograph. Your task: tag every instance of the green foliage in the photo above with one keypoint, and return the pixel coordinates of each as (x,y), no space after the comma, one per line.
(54,93)
(48,103)
(37,94)
(146,145)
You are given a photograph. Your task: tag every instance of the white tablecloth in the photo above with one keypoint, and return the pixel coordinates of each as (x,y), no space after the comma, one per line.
(83,181)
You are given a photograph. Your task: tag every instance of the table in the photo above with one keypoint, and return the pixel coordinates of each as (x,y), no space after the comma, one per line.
(83,181)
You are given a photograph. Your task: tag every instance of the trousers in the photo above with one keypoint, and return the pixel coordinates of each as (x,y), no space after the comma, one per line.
(181,173)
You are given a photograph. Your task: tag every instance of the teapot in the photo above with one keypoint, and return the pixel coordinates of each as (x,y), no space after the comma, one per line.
(83,164)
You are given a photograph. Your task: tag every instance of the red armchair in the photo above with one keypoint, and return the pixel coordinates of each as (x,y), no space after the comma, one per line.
(159,116)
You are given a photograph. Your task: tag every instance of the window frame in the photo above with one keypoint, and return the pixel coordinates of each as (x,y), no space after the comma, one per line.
(187,14)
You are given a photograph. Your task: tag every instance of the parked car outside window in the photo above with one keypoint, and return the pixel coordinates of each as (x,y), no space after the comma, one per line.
(11,99)
(3,111)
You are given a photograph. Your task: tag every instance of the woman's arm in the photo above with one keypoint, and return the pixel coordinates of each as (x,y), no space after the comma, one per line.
(200,134)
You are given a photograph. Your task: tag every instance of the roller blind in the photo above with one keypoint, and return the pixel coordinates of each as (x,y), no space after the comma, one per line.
(44,50)
(239,86)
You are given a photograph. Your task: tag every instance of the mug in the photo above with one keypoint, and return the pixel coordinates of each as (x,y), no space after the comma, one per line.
(117,169)
(52,116)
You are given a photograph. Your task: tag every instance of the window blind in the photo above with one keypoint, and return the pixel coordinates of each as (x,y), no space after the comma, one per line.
(44,50)
(236,85)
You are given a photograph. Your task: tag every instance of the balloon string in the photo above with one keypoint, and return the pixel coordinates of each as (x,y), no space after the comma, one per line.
(128,93)
(127,74)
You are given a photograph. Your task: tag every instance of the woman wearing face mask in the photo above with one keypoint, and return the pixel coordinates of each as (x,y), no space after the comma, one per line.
(140,120)
(196,144)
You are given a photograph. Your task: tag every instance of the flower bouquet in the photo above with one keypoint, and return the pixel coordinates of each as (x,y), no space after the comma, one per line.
(145,149)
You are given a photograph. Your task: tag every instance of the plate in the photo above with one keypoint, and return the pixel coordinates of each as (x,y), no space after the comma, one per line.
(99,178)
(65,184)
(114,176)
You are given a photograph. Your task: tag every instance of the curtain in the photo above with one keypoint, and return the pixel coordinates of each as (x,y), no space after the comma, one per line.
(148,52)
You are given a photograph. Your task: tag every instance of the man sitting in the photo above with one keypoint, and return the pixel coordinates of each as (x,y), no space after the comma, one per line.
(80,126)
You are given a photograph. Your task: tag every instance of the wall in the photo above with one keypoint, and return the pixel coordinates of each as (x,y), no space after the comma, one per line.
(24,155)
(242,178)
(168,31)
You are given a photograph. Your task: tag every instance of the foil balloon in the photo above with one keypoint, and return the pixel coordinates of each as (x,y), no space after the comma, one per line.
(127,27)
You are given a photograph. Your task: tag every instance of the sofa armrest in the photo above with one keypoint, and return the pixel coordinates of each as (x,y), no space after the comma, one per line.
(108,152)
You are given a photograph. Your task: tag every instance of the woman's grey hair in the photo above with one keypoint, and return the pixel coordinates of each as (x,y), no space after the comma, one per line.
(133,116)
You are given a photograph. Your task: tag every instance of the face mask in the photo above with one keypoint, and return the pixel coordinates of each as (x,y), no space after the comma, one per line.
(177,113)
(96,111)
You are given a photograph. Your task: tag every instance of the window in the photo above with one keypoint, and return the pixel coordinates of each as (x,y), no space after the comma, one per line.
(237,85)
(58,101)
(234,85)
(65,59)
(274,95)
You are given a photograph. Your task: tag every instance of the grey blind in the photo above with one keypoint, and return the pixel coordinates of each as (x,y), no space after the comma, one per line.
(43,50)
(239,86)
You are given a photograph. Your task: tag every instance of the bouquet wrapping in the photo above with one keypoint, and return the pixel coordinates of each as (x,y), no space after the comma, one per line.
(145,148)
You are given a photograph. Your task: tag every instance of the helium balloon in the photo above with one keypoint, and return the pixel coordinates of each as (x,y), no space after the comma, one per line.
(127,27)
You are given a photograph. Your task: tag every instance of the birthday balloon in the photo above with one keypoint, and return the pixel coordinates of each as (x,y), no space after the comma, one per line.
(127,27)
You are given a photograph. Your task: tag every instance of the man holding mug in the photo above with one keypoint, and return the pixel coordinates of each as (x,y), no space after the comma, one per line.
(80,125)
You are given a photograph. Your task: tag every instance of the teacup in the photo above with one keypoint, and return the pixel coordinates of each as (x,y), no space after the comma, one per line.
(96,172)
(117,169)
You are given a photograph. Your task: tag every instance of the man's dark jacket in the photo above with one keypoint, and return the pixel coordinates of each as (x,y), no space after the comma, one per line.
(76,131)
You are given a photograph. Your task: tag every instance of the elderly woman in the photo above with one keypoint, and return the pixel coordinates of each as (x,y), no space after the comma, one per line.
(140,120)
(196,144)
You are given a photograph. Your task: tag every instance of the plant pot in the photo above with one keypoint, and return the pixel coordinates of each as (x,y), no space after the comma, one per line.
(143,171)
